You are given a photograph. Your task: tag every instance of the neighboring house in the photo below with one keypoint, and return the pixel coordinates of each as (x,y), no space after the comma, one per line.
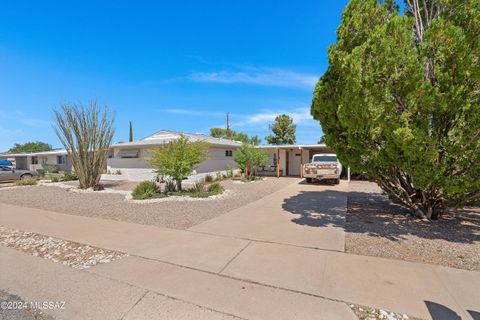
(34,160)
(291,157)
(131,158)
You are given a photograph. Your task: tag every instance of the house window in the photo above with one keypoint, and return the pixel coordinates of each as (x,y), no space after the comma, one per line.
(61,159)
(228,153)
(34,160)
(128,154)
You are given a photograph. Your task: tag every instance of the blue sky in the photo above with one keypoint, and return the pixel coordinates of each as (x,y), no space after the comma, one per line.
(178,65)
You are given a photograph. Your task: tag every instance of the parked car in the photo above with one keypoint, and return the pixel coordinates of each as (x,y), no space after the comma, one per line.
(9,174)
(324,166)
(7,163)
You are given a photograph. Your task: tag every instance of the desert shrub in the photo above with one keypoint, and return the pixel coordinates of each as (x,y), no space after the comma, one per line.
(215,188)
(229,172)
(197,187)
(208,178)
(146,190)
(26,182)
(170,186)
(54,178)
(249,178)
(50,168)
(86,132)
(118,172)
(70,176)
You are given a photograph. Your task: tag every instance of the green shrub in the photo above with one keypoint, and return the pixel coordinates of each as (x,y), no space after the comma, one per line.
(208,178)
(70,176)
(146,190)
(26,182)
(215,188)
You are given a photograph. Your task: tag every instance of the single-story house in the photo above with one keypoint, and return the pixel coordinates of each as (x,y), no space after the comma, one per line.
(287,160)
(130,159)
(34,160)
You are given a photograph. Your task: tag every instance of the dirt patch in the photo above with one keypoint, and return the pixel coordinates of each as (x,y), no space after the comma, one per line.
(377,227)
(173,214)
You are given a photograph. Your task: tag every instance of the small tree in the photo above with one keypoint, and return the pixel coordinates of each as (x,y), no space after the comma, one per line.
(30,147)
(283,130)
(86,132)
(249,158)
(178,158)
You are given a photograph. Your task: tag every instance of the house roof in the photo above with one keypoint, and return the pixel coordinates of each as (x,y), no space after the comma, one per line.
(295,146)
(165,136)
(37,153)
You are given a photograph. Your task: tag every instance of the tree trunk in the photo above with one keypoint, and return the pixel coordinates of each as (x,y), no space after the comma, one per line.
(179,185)
(423,204)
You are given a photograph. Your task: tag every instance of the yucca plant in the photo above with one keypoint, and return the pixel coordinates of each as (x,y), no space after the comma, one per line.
(86,132)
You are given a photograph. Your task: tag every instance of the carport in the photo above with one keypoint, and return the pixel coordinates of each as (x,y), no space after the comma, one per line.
(287,160)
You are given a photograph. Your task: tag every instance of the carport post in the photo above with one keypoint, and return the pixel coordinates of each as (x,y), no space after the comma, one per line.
(278,163)
(348,174)
(301,162)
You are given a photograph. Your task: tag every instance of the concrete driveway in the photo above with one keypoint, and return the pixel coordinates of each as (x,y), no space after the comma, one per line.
(304,215)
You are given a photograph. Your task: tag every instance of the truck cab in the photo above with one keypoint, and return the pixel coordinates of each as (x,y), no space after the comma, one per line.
(324,166)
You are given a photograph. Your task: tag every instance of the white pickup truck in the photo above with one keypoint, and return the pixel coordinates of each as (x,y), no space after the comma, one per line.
(324,166)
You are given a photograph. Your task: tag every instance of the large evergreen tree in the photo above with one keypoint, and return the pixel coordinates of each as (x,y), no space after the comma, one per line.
(400,100)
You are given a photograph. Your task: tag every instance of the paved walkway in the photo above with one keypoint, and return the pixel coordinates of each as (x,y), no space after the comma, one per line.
(272,272)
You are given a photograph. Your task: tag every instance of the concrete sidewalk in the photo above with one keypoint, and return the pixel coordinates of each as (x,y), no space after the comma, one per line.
(301,214)
(213,271)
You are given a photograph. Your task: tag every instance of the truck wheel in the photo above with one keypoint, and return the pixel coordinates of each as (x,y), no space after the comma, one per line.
(309,180)
(337,181)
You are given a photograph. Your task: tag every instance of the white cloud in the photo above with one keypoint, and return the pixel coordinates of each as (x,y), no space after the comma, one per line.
(258,76)
(300,116)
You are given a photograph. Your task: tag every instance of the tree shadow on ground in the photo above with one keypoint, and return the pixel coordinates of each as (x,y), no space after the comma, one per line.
(440,312)
(474,314)
(374,214)
(317,208)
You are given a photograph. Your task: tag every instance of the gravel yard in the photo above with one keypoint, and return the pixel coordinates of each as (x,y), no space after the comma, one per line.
(68,253)
(172,214)
(376,227)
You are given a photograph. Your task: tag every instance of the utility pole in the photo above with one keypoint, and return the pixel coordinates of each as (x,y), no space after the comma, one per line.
(228,121)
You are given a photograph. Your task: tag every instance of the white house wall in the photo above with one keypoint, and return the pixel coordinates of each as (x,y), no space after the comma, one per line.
(138,169)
